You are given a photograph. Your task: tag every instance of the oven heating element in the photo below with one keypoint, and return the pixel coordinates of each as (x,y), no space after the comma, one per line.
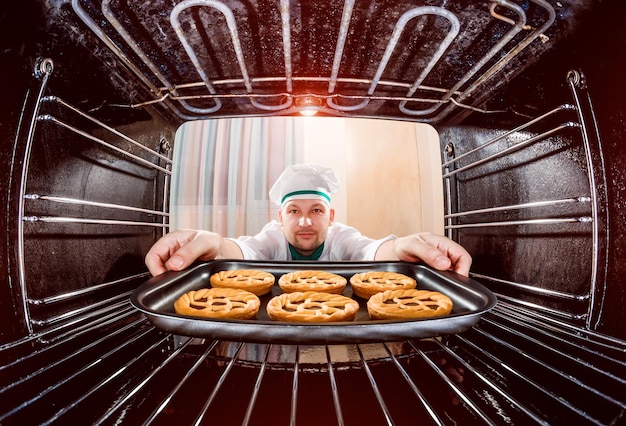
(178,89)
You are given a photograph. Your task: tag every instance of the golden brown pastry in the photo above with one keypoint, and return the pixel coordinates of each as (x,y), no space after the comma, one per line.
(312,306)
(405,304)
(218,303)
(319,281)
(257,282)
(367,284)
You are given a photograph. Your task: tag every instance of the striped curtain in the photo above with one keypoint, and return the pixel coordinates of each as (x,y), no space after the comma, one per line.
(223,170)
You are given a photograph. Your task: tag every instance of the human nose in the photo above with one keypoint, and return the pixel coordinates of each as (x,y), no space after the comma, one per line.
(304,221)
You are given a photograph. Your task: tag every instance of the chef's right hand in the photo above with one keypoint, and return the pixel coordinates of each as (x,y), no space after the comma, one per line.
(179,249)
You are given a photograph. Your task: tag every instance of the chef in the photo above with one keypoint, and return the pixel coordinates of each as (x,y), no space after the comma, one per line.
(305,230)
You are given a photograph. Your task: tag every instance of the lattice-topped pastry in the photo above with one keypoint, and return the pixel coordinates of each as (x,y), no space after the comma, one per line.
(405,304)
(319,281)
(218,303)
(367,284)
(257,282)
(312,306)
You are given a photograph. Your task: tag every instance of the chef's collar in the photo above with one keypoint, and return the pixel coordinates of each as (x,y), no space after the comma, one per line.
(314,256)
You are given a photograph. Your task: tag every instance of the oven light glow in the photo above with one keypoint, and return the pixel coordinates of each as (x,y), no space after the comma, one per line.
(309,111)
(308,105)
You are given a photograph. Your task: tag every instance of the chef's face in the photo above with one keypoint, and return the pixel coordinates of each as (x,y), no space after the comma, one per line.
(305,223)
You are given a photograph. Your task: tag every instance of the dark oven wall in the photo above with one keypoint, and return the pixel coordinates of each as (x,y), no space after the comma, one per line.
(570,268)
(79,170)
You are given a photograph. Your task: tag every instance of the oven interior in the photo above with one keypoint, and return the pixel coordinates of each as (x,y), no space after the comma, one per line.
(527,98)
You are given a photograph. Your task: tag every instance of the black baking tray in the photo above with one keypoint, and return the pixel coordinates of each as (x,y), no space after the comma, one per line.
(156,297)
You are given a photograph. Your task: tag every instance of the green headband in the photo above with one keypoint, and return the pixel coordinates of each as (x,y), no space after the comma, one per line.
(311,192)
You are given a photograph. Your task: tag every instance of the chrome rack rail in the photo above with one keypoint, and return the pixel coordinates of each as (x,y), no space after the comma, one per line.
(65,306)
(493,374)
(449,171)
(432,380)
(548,214)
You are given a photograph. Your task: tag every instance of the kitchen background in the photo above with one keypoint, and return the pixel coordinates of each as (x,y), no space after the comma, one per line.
(389,172)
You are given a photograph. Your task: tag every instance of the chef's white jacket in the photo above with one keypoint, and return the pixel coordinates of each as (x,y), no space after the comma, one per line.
(343,243)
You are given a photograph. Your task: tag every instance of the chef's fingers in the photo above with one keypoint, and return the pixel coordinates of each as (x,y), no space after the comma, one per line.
(155,264)
(161,252)
(436,251)
(176,250)
(462,264)
(447,254)
(200,245)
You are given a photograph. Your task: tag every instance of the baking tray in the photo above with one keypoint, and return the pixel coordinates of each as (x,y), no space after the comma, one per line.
(156,297)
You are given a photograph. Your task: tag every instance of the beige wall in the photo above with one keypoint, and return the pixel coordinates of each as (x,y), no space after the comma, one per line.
(390,173)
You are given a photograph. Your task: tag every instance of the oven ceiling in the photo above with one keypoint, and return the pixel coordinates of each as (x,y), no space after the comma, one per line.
(425,61)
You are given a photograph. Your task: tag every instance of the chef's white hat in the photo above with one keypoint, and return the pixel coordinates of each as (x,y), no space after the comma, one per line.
(304,181)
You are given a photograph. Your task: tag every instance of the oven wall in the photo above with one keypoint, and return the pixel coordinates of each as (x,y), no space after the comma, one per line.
(59,258)
(604,62)
(557,257)
(18,59)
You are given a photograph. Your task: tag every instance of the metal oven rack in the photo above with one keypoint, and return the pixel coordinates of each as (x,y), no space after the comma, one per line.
(574,212)
(495,374)
(39,211)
